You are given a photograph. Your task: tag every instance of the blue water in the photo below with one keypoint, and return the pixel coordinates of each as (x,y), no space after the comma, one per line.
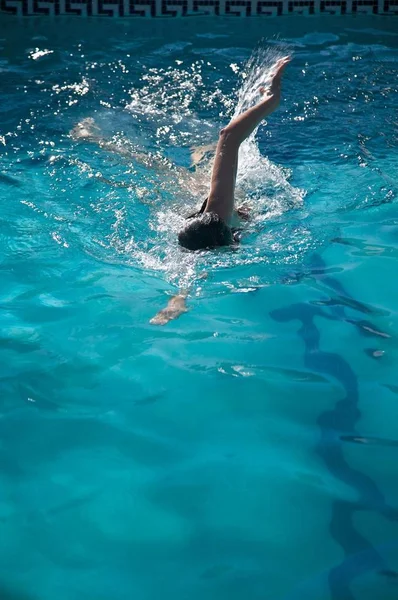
(249,449)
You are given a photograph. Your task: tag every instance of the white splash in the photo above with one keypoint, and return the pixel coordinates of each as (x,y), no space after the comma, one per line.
(167,100)
(81,89)
(37,53)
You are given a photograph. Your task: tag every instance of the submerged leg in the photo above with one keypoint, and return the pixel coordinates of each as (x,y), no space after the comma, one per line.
(175,307)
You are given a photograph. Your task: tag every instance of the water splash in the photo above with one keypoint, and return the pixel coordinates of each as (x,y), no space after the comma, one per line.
(124,200)
(257,73)
(168,99)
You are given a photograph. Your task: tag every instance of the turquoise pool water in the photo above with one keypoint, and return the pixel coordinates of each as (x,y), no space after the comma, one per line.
(249,449)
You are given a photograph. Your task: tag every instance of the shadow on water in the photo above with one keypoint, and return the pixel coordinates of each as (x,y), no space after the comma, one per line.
(337,425)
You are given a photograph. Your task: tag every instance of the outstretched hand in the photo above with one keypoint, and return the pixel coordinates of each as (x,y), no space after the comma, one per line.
(276,76)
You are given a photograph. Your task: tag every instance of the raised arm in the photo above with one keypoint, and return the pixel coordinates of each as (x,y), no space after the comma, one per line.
(222,187)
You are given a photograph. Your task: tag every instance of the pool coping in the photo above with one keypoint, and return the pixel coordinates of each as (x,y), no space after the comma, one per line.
(186,8)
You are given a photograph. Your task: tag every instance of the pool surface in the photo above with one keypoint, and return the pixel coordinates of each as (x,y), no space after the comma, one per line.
(249,449)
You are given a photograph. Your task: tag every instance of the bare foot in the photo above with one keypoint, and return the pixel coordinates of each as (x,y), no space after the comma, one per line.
(173,310)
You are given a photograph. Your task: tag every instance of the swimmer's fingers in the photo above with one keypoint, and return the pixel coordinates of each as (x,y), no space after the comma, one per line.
(282,61)
(276,77)
(280,67)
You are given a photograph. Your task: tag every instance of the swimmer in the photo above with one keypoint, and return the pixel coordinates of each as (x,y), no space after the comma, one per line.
(214,224)
(217,222)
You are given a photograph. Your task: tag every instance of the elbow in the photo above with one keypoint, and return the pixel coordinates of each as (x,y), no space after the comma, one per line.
(229,136)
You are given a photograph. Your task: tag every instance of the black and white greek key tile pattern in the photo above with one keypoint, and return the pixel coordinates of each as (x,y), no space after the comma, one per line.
(174,8)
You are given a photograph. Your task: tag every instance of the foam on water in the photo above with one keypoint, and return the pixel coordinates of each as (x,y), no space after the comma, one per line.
(167,101)
(165,113)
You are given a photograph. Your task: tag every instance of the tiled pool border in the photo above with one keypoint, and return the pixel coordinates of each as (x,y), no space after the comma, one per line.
(177,8)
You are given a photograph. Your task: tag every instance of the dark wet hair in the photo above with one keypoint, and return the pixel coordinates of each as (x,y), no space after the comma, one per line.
(205,232)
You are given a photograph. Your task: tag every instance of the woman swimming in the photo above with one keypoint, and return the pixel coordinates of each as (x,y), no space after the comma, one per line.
(213,225)
(217,222)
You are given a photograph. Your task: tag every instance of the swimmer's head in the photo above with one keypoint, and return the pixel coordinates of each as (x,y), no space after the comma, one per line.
(206,232)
